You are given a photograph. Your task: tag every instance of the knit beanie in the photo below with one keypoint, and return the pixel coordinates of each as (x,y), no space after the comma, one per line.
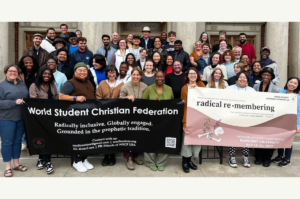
(80,64)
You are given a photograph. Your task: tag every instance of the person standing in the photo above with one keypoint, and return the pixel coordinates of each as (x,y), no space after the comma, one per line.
(29,68)
(204,60)
(36,51)
(98,72)
(64,32)
(109,89)
(175,79)
(149,71)
(12,92)
(124,77)
(141,62)
(146,42)
(256,69)
(82,54)
(79,89)
(169,65)
(59,77)
(229,60)
(191,80)
(135,49)
(47,42)
(158,48)
(120,54)
(181,55)
(292,86)
(133,89)
(107,50)
(215,61)
(73,43)
(204,38)
(217,80)
(129,39)
(158,91)
(247,48)
(222,36)
(170,46)
(237,52)
(64,64)
(44,88)
(265,61)
(114,40)
(263,156)
(196,54)
(163,36)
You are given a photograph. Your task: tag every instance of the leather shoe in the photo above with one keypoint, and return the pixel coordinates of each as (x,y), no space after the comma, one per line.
(185,167)
(112,160)
(192,165)
(105,160)
(266,164)
(257,162)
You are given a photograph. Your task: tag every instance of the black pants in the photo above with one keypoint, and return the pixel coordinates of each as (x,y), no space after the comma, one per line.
(46,158)
(264,155)
(79,158)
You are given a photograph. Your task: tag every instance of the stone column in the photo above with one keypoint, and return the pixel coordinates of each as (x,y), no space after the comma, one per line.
(4,26)
(294,50)
(93,32)
(200,29)
(186,32)
(276,38)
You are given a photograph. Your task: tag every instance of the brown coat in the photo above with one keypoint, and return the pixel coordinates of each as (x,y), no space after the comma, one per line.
(43,56)
(34,92)
(83,88)
(184,94)
(104,91)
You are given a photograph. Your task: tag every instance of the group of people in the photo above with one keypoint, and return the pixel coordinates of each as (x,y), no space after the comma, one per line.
(63,68)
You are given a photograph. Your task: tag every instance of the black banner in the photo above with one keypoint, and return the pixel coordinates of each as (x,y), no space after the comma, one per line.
(103,126)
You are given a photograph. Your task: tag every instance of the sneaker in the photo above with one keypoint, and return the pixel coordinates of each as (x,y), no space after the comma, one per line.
(232,162)
(88,165)
(153,168)
(24,147)
(40,164)
(277,159)
(160,168)
(138,161)
(284,163)
(130,164)
(246,162)
(79,167)
(49,168)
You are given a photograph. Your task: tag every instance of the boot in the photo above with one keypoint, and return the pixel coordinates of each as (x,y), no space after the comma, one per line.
(105,160)
(191,164)
(185,166)
(112,159)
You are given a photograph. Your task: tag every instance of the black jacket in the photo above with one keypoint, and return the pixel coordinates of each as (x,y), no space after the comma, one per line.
(149,44)
(68,70)
(183,57)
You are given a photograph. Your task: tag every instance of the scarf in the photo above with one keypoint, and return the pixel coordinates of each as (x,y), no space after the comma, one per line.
(266,62)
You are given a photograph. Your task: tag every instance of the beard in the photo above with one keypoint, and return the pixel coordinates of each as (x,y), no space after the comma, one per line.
(242,41)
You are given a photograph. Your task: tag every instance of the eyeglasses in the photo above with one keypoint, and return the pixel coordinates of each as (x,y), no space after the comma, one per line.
(198,44)
(12,71)
(82,70)
(51,62)
(122,43)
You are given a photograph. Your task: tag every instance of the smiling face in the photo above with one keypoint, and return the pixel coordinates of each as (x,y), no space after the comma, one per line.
(123,69)
(143,54)
(96,65)
(242,80)
(169,61)
(217,75)
(292,85)
(265,54)
(135,77)
(136,41)
(37,41)
(243,39)
(64,30)
(156,57)
(266,77)
(82,45)
(47,76)
(215,59)
(245,60)
(51,64)
(130,60)
(159,79)
(157,43)
(112,75)
(177,67)
(177,47)
(59,45)
(237,53)
(149,66)
(81,73)
(129,37)
(51,34)
(62,56)
(198,46)
(192,75)
(172,38)
(257,67)
(12,73)
(146,34)
(73,40)
(227,57)
(105,41)
(28,63)
(205,49)
(236,69)
(164,36)
(115,36)
(122,44)
(223,45)
(204,37)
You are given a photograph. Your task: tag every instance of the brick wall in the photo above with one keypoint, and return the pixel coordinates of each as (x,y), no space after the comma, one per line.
(16,42)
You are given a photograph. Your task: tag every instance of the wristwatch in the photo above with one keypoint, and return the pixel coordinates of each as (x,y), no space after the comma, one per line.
(74,98)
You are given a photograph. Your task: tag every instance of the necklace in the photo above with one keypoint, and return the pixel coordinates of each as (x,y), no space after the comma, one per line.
(134,91)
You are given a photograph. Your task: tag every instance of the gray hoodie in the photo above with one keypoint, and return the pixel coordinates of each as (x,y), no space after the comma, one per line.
(9,93)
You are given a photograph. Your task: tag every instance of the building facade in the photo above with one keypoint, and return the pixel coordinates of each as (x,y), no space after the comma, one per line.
(281,37)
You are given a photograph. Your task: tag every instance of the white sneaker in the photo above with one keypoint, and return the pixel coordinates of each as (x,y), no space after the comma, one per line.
(232,162)
(80,167)
(87,164)
(246,162)
(24,147)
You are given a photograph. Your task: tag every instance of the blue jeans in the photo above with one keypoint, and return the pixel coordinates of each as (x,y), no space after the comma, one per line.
(11,133)
(287,153)
(24,139)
